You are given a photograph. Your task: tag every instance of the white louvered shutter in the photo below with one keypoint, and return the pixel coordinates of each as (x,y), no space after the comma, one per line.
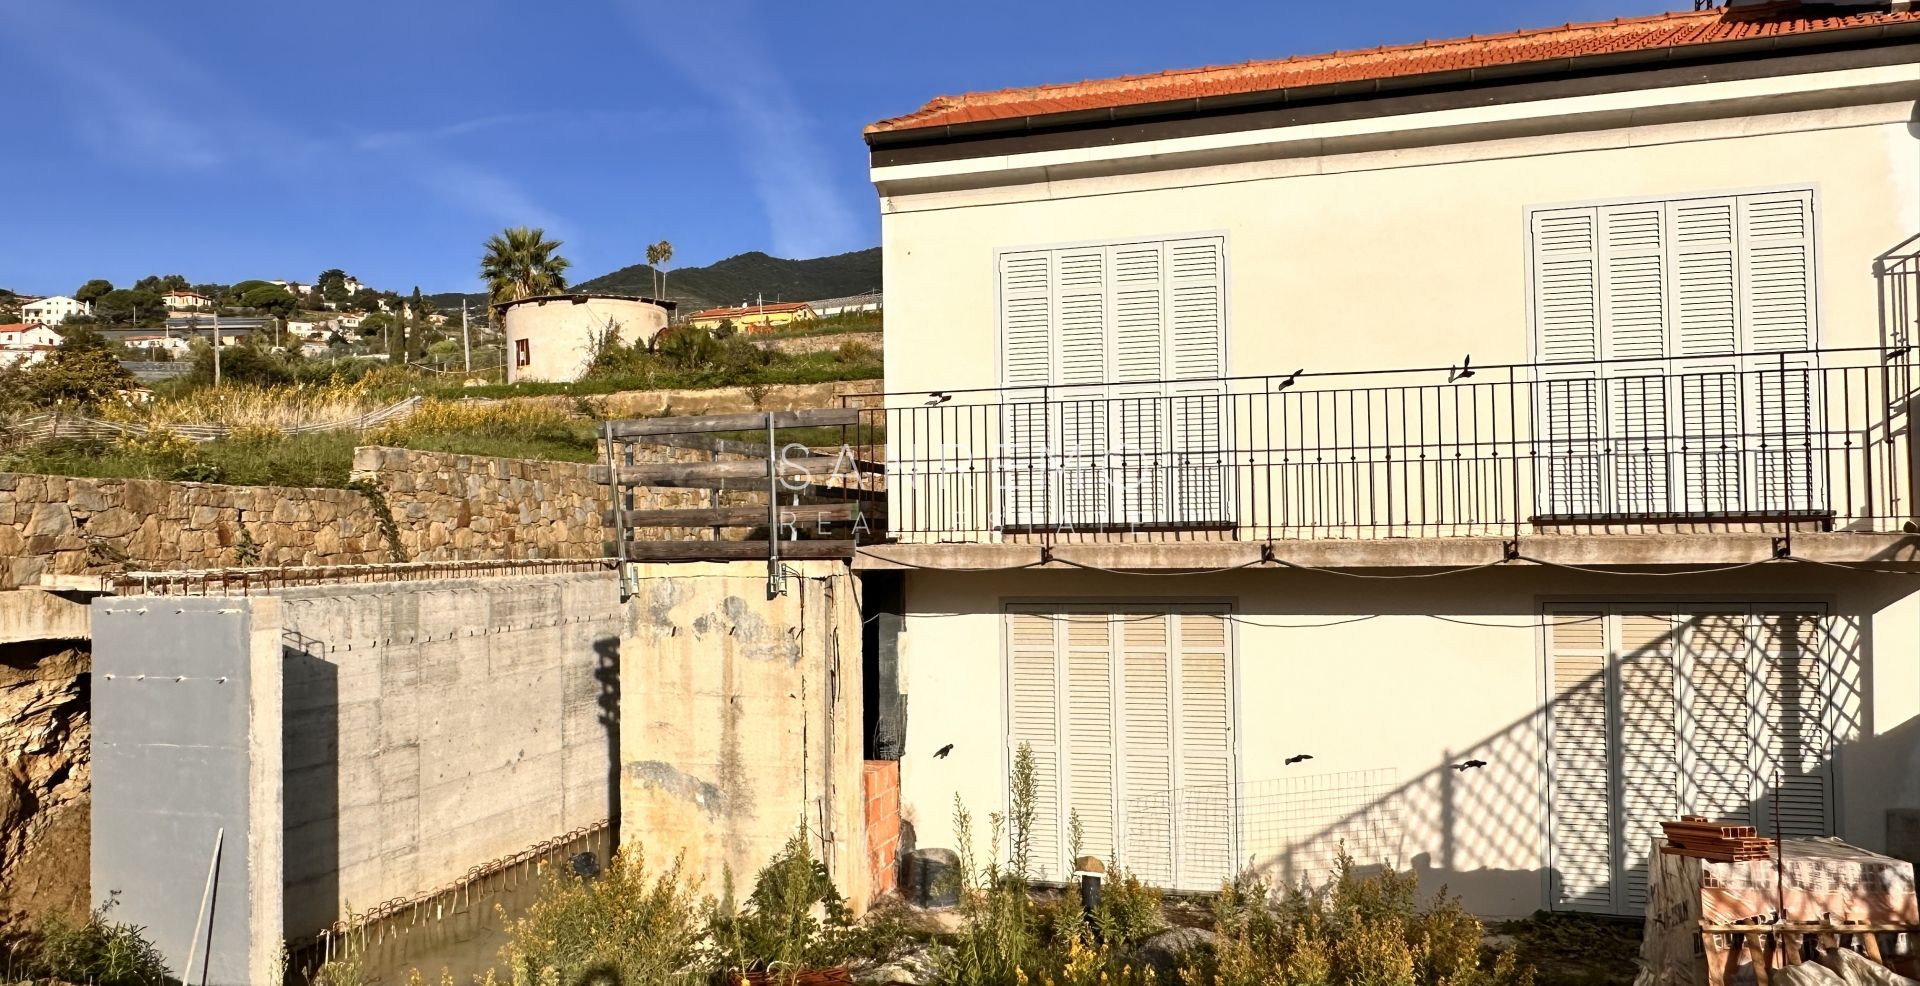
(1080,293)
(1566,282)
(1776,244)
(1033,718)
(1197,285)
(1634,311)
(1794,721)
(1140,447)
(1706,316)
(1026,325)
(1649,769)
(1146,745)
(1203,753)
(1579,746)
(1716,743)
(1090,731)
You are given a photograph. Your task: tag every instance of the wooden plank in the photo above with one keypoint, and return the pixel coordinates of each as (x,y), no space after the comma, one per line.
(806,514)
(747,421)
(734,550)
(704,474)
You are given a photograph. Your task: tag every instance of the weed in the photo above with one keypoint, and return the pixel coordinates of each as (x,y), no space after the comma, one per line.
(778,932)
(628,924)
(98,950)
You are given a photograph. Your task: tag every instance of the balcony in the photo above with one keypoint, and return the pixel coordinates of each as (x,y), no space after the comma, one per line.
(1769,445)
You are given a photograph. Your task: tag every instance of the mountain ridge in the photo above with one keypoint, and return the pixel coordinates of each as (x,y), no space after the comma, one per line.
(738,278)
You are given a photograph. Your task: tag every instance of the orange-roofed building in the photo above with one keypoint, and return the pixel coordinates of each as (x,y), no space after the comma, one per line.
(769,317)
(1470,452)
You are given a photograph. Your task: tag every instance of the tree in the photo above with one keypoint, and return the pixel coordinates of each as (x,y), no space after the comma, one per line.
(126,306)
(270,299)
(522,263)
(78,337)
(93,290)
(212,292)
(71,378)
(161,283)
(657,256)
(332,285)
(365,300)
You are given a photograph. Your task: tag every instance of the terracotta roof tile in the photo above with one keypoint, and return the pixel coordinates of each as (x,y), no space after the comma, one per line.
(1474,51)
(771,307)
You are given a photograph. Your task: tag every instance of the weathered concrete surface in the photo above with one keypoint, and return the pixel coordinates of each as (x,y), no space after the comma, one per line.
(44,774)
(741,719)
(423,729)
(186,817)
(30,614)
(435,726)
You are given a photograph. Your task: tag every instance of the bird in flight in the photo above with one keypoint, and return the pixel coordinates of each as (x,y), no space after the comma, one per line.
(941,754)
(1296,758)
(1469,765)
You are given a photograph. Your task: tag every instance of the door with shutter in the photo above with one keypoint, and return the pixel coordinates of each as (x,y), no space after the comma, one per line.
(1125,343)
(1721,712)
(1663,294)
(1144,717)
(1566,285)
(1033,719)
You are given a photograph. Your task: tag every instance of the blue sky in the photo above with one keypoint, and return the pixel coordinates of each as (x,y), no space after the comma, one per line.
(228,139)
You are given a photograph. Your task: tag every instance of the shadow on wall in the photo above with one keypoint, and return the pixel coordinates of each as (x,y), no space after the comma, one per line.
(310,759)
(606,672)
(1483,829)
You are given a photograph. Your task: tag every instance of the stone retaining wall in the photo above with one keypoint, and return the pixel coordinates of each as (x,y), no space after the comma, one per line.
(824,342)
(443,507)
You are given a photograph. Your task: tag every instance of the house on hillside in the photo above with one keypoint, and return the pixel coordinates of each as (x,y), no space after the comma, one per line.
(54,310)
(829,307)
(1473,452)
(179,301)
(172,346)
(26,342)
(769,317)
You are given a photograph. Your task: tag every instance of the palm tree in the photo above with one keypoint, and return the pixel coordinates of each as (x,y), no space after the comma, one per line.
(522,263)
(657,255)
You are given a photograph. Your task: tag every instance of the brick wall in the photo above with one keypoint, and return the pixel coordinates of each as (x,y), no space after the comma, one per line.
(880,782)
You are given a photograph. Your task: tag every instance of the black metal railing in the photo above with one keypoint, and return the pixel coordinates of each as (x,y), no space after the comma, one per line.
(1808,440)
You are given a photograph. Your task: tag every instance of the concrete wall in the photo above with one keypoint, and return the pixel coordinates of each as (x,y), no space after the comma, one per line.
(560,332)
(435,726)
(186,755)
(425,729)
(741,719)
(1406,248)
(824,342)
(1404,677)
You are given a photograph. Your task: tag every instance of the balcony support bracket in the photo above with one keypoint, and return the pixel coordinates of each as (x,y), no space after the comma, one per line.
(1510,550)
(1783,546)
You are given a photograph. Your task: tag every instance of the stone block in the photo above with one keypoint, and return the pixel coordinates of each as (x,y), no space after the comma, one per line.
(49,519)
(113,522)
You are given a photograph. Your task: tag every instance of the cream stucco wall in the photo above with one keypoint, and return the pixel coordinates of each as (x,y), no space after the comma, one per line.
(560,333)
(1395,676)
(1402,257)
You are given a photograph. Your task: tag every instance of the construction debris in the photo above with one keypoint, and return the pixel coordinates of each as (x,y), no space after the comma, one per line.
(1732,922)
(1696,837)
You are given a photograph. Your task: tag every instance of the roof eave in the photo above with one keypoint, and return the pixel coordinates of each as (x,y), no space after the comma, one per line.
(1360,89)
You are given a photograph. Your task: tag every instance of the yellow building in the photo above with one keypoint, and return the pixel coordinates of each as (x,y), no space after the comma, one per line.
(754,318)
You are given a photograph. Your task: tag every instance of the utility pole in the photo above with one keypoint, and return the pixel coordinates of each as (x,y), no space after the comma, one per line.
(216,348)
(466,341)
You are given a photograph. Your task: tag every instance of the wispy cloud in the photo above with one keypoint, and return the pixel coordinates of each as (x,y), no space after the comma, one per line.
(776,142)
(137,102)
(399,138)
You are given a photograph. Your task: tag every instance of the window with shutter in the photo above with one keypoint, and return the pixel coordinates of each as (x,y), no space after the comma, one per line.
(1652,714)
(1128,340)
(1663,294)
(1144,715)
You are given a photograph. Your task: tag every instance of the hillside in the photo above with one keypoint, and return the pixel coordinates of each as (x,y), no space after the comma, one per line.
(733,280)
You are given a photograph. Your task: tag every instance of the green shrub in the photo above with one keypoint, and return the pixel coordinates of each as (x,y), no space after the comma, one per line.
(1364,930)
(778,931)
(1129,909)
(98,950)
(625,923)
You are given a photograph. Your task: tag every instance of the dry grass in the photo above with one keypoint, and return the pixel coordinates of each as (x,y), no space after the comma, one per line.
(255,408)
